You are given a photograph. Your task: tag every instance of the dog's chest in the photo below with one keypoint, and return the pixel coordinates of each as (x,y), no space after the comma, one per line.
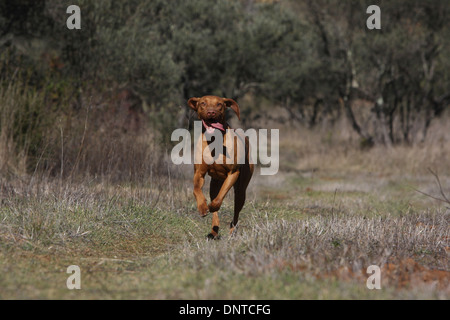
(221,156)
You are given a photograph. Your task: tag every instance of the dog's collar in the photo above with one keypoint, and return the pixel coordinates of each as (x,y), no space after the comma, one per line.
(210,128)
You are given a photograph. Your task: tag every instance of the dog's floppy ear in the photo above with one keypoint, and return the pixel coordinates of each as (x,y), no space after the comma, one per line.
(230,103)
(192,103)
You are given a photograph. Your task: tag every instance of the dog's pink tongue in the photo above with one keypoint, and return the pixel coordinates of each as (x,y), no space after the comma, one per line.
(210,129)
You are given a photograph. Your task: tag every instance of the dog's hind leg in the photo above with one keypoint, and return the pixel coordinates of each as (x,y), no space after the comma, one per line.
(240,189)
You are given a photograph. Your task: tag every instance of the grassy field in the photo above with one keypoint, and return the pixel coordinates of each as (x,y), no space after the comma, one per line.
(310,232)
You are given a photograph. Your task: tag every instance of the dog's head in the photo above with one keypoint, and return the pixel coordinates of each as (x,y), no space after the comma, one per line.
(211,109)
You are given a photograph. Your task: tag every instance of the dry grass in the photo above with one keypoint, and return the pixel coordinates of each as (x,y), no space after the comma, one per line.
(324,243)
(18,109)
(337,149)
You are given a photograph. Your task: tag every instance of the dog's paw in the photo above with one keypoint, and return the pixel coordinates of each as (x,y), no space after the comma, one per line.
(214,206)
(233,229)
(211,236)
(203,209)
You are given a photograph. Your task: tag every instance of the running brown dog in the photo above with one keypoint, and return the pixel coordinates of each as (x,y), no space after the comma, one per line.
(224,175)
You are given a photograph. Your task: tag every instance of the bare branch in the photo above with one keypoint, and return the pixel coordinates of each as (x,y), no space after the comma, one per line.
(436,176)
(440,186)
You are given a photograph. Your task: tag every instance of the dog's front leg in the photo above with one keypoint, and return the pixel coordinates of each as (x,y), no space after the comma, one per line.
(226,186)
(199,180)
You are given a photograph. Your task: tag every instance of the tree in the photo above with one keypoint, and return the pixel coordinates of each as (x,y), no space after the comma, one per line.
(399,69)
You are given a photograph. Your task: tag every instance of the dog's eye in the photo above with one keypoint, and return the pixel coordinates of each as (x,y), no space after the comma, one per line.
(202,104)
(220,105)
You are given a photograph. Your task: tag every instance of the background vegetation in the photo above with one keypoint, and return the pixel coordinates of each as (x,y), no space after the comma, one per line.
(85,123)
